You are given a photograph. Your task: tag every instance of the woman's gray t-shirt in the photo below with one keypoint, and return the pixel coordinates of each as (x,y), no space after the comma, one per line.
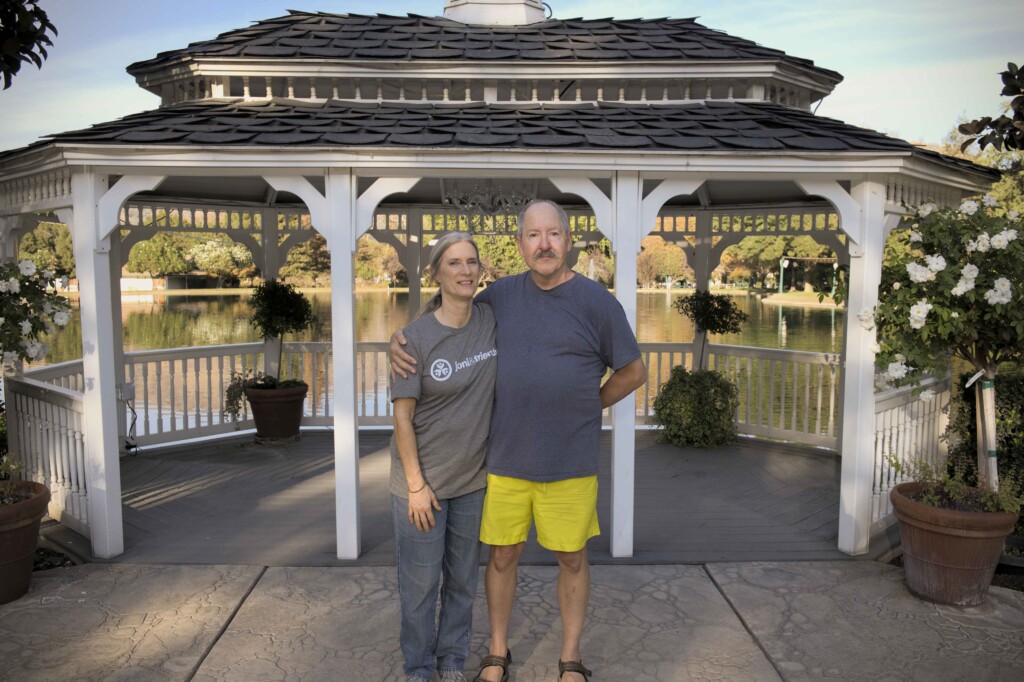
(454,392)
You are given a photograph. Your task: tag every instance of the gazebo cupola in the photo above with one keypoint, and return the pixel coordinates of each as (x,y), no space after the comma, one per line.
(495,12)
(491,51)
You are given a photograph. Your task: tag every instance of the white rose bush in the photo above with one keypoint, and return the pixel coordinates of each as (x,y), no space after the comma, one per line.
(958,291)
(30,308)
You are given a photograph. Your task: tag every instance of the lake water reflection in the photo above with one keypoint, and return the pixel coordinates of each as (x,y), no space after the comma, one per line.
(160,321)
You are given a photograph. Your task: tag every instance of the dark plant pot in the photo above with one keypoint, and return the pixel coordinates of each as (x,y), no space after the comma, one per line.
(1012,565)
(19,532)
(949,556)
(277,412)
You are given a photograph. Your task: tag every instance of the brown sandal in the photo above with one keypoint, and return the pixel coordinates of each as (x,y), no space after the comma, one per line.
(573,667)
(492,661)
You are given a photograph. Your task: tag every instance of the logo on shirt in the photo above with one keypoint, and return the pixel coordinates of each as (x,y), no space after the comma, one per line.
(441,370)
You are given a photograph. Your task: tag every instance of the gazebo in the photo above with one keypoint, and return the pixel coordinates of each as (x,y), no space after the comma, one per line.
(405,125)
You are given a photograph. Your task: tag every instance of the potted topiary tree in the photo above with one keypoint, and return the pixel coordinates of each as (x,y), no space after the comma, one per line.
(954,290)
(29,308)
(698,408)
(276,405)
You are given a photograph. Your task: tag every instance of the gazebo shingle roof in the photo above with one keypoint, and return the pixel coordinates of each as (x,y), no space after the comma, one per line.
(698,127)
(318,35)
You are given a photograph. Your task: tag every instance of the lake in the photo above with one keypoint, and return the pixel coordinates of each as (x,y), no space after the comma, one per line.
(154,321)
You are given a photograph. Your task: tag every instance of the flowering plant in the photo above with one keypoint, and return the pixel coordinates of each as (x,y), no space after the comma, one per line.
(28,310)
(956,288)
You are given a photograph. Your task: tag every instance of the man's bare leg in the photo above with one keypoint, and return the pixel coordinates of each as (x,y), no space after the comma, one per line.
(500,586)
(573,596)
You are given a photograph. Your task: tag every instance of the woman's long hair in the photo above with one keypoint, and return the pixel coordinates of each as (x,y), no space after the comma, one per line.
(444,242)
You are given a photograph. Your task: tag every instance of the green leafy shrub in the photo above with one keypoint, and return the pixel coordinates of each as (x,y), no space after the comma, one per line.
(963,431)
(697,408)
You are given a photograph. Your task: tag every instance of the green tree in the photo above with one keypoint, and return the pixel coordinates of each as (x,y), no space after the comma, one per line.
(657,260)
(1006,130)
(23,29)
(49,246)
(499,256)
(309,263)
(160,256)
(598,263)
(374,260)
(221,258)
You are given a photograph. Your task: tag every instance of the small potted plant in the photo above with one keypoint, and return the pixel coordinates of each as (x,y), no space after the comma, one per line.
(698,408)
(276,405)
(29,308)
(952,286)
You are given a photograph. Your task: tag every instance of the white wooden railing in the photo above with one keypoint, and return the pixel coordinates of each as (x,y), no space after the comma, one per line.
(178,395)
(784,395)
(45,433)
(907,428)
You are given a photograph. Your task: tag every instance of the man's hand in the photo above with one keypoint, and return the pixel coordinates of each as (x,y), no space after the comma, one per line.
(402,363)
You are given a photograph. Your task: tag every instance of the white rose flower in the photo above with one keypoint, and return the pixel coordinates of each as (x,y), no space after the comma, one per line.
(896,286)
(927,395)
(970,271)
(867,318)
(935,263)
(13,285)
(925,210)
(919,273)
(27,268)
(875,348)
(896,370)
(919,313)
(26,327)
(915,236)
(3,287)
(999,241)
(962,287)
(954,314)
(61,318)
(900,358)
(10,358)
(983,242)
(1000,292)
(34,350)
(969,207)
(990,201)
(48,275)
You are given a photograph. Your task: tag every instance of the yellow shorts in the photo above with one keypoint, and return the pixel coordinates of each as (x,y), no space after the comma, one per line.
(565,512)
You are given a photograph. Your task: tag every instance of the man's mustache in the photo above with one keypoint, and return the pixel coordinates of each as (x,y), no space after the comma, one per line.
(545,254)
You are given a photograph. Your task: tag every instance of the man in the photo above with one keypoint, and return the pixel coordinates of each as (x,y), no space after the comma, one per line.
(558,333)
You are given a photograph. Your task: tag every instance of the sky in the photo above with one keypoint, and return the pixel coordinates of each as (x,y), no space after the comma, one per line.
(912,68)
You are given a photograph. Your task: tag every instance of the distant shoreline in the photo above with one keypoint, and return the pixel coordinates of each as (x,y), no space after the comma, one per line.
(788,299)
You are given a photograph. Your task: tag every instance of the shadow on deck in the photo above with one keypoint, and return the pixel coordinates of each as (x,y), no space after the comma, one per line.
(232,502)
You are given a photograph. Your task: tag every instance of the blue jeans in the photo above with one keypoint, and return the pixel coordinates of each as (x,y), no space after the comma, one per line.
(445,559)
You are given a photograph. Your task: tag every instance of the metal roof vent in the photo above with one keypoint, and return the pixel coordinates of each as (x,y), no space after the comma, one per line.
(495,12)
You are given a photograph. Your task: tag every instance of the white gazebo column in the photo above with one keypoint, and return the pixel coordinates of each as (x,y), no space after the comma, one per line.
(99,365)
(341,234)
(627,230)
(858,416)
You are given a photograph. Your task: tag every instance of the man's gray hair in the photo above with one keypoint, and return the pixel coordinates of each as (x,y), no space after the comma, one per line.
(563,217)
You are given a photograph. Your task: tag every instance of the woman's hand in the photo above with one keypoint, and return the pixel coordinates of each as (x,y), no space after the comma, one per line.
(422,504)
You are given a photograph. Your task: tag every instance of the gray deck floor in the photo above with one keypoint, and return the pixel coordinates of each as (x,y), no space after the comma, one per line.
(232,502)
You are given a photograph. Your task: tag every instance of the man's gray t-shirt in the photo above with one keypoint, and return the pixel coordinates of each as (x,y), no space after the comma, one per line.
(454,392)
(555,348)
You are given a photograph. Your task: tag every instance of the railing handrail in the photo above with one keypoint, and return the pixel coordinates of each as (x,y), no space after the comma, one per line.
(64,398)
(812,357)
(893,397)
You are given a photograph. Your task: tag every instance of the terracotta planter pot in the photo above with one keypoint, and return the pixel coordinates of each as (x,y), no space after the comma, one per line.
(949,556)
(19,532)
(277,412)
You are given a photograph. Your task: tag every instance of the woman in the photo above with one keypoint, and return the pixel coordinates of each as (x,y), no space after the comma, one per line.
(442,416)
